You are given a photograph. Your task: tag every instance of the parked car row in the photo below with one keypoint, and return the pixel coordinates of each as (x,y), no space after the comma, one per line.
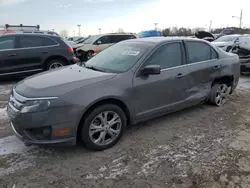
(233,43)
(129,82)
(96,43)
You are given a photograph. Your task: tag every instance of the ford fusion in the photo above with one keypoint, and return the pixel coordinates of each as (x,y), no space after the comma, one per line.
(130,82)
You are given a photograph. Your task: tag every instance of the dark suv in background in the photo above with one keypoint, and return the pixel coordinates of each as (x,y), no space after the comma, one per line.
(25,54)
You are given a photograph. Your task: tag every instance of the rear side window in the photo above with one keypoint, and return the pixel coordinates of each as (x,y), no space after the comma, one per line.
(47,41)
(119,38)
(199,51)
(167,56)
(7,43)
(30,41)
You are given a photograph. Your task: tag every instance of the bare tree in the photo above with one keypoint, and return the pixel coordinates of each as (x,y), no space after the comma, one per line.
(64,33)
(120,30)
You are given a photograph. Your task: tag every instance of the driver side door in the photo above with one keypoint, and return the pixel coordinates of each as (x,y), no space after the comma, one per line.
(165,92)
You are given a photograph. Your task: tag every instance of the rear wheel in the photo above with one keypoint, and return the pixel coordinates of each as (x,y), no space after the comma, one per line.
(219,94)
(54,64)
(103,127)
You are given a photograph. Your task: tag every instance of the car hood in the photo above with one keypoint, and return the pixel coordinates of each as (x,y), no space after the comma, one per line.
(78,45)
(222,43)
(58,82)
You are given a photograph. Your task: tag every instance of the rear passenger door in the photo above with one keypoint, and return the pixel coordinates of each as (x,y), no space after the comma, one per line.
(203,66)
(8,54)
(31,52)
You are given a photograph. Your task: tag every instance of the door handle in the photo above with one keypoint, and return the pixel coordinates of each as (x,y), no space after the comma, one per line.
(216,67)
(11,55)
(45,52)
(180,75)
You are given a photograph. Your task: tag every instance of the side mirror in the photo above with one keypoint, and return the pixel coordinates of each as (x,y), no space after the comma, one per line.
(99,42)
(151,70)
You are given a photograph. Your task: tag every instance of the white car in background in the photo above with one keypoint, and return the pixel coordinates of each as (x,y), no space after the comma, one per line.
(71,43)
(228,42)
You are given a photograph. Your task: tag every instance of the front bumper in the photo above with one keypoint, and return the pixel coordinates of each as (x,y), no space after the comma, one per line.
(26,138)
(29,127)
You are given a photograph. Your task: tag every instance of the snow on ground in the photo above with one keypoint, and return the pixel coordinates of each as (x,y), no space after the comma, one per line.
(3,114)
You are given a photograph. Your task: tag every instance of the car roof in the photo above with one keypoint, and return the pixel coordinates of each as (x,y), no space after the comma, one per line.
(164,39)
(29,34)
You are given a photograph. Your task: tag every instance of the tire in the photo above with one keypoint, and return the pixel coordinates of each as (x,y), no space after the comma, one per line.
(101,138)
(55,62)
(89,55)
(219,93)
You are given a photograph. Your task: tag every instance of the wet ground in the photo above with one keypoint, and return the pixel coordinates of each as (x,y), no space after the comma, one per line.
(203,146)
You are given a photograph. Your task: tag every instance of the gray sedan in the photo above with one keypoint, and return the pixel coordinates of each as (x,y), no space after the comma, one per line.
(130,82)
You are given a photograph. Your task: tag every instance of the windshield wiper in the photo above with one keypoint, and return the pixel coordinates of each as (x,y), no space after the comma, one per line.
(94,68)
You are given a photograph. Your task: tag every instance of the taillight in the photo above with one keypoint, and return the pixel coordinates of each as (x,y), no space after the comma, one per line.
(96,52)
(70,50)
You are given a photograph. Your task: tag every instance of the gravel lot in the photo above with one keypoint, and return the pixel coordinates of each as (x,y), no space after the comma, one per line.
(203,146)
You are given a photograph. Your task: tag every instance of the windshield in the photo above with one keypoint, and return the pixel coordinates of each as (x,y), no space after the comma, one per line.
(81,41)
(91,39)
(227,38)
(118,58)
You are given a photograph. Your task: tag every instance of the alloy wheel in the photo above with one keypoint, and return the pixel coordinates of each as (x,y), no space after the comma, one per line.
(55,65)
(221,94)
(105,128)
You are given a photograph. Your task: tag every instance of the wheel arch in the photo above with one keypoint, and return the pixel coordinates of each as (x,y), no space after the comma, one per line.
(224,79)
(55,57)
(110,100)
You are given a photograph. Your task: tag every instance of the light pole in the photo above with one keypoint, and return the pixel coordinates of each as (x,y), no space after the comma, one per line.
(74,33)
(155,25)
(210,25)
(100,30)
(79,26)
(240,18)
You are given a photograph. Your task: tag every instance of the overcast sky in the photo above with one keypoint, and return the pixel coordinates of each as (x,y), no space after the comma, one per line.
(131,15)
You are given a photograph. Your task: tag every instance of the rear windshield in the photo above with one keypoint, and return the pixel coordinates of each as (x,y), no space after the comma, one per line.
(119,58)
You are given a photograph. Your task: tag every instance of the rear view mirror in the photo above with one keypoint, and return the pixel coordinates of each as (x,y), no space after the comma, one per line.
(151,70)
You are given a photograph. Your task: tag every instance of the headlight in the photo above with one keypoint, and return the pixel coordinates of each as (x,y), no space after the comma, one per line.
(35,106)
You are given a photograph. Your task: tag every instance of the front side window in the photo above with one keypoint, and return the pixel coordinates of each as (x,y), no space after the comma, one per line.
(7,43)
(167,56)
(118,58)
(104,40)
(199,51)
(30,41)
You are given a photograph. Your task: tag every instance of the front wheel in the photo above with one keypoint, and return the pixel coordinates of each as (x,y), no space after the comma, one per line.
(103,127)
(219,94)
(89,55)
